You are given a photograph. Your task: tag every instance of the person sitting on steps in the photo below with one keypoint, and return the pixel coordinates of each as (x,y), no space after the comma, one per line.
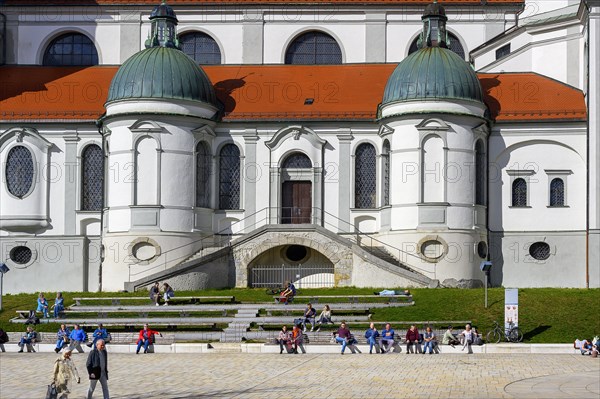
(309,317)
(449,338)
(288,294)
(146,338)
(27,339)
(155,293)
(324,317)
(168,293)
(386,342)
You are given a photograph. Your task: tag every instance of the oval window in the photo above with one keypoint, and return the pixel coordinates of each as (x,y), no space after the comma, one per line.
(19,171)
(539,250)
(144,251)
(20,255)
(432,249)
(296,253)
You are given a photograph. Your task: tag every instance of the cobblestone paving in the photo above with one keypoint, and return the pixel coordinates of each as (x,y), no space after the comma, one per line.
(227,375)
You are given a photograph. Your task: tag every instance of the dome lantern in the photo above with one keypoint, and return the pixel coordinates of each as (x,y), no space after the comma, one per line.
(163,32)
(434,32)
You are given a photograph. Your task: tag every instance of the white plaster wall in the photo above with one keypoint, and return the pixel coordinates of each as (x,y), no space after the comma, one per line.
(514,266)
(522,149)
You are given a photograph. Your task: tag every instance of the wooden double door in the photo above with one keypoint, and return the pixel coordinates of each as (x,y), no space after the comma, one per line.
(296,203)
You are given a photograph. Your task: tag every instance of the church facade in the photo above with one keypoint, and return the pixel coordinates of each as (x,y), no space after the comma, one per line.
(399,144)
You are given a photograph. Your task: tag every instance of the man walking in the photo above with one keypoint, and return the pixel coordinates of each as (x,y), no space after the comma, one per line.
(97,367)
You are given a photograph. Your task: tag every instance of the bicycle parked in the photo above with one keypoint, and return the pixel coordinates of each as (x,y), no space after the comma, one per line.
(511,334)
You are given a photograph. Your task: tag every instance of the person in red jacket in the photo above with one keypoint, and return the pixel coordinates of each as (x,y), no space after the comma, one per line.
(146,338)
(412,338)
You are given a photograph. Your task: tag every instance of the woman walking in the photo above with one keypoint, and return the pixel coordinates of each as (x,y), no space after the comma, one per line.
(64,372)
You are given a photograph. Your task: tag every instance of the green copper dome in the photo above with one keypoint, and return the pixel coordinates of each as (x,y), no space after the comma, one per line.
(161,72)
(433,73)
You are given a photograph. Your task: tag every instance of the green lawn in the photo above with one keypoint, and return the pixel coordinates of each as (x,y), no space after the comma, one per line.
(545,314)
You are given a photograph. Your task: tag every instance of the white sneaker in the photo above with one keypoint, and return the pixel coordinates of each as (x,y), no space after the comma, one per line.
(157,304)
(304,329)
(312,329)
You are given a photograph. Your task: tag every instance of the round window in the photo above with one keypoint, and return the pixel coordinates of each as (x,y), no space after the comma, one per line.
(539,251)
(432,249)
(20,255)
(144,251)
(296,253)
(482,249)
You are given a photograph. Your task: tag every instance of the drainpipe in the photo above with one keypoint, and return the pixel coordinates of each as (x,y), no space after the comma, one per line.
(587,160)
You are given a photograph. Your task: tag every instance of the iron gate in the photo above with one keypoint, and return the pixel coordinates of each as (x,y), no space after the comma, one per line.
(303,276)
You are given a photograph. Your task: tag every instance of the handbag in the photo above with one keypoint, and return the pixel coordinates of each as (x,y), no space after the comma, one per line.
(52,392)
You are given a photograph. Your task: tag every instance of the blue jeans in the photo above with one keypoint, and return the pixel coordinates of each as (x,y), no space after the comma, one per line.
(146,344)
(428,345)
(60,343)
(58,310)
(343,342)
(372,342)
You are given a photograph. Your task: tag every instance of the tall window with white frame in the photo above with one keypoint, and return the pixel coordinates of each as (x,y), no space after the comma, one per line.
(19,171)
(519,192)
(203,172)
(557,192)
(480,171)
(365,177)
(229,177)
(92,178)
(385,154)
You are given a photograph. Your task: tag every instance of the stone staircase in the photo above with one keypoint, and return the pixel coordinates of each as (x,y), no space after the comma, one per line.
(383,254)
(237,329)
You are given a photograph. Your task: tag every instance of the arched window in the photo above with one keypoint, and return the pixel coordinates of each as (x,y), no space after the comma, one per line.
(201,48)
(432,158)
(557,192)
(229,177)
(519,192)
(92,179)
(386,172)
(454,46)
(365,177)
(146,172)
(19,171)
(71,49)
(479,173)
(203,171)
(297,160)
(313,48)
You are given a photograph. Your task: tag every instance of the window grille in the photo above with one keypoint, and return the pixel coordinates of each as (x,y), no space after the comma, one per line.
(539,250)
(365,183)
(297,160)
(229,177)
(20,255)
(92,187)
(503,51)
(519,192)
(19,171)
(203,172)
(71,49)
(557,192)
(479,174)
(314,48)
(386,173)
(201,48)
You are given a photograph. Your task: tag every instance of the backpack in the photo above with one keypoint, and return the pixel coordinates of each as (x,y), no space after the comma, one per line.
(32,318)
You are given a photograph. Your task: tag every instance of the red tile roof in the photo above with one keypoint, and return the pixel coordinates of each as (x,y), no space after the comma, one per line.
(277,92)
(249,2)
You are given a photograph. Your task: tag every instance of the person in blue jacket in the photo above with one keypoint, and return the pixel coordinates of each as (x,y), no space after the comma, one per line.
(99,333)
(77,336)
(62,337)
(42,305)
(59,305)
(372,336)
(387,339)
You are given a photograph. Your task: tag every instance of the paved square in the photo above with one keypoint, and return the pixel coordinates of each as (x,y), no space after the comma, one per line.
(231,375)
